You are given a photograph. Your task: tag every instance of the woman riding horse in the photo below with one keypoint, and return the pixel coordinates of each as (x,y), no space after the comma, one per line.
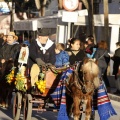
(8,57)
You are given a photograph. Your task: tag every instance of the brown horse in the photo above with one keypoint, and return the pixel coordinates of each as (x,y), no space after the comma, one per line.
(81,88)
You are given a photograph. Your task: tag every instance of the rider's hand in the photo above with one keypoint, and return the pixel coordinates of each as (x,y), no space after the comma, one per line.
(39,61)
(3,61)
(49,64)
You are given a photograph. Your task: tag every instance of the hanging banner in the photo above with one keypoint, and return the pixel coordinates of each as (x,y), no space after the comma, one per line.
(69,16)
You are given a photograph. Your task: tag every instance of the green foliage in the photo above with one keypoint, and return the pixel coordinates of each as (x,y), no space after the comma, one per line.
(20,85)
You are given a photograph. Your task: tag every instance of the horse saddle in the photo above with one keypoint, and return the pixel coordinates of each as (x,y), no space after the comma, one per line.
(50,78)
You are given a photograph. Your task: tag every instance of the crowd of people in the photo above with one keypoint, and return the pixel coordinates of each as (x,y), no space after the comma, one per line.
(44,51)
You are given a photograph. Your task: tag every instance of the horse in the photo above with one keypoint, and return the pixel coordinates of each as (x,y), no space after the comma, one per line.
(80,88)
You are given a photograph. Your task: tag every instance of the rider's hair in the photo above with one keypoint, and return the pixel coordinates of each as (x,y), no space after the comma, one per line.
(60,46)
(73,40)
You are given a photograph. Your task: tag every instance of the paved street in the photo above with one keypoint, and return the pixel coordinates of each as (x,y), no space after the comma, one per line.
(7,114)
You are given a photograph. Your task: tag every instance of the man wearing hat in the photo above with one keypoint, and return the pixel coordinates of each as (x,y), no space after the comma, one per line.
(42,50)
(8,57)
(10,49)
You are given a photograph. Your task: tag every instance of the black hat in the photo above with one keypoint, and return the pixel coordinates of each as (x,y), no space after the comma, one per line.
(44,32)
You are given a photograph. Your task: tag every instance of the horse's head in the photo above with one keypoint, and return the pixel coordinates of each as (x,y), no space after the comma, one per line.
(90,73)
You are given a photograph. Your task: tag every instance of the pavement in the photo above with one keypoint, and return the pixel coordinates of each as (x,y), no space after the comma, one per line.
(112,96)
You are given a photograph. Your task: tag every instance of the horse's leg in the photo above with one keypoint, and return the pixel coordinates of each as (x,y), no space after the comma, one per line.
(9,97)
(4,93)
(69,104)
(76,107)
(88,108)
(0,95)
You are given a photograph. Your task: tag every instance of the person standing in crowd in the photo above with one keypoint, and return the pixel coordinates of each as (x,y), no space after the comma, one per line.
(42,50)
(1,40)
(116,65)
(11,49)
(75,52)
(103,58)
(68,44)
(90,47)
(5,39)
(9,54)
(62,57)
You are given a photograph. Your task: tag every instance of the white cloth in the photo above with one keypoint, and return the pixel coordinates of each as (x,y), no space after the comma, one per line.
(46,47)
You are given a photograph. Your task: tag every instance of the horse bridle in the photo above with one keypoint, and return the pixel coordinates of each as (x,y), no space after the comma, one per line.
(93,87)
(78,83)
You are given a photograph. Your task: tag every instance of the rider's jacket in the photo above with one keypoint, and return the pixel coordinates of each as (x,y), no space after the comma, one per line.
(46,54)
(76,55)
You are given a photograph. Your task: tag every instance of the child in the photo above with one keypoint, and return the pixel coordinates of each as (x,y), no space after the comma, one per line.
(62,57)
(75,52)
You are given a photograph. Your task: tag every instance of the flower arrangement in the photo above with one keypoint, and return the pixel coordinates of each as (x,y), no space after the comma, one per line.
(41,85)
(11,77)
(20,82)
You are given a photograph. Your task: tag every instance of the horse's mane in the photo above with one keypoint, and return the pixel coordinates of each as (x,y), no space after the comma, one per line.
(89,65)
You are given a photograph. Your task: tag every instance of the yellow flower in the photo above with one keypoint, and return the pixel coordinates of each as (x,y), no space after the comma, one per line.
(15,83)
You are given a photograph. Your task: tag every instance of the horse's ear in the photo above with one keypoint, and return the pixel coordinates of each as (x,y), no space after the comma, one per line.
(85,60)
(96,62)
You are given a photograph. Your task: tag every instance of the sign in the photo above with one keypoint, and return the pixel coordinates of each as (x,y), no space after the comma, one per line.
(70,16)
(23,56)
(70,5)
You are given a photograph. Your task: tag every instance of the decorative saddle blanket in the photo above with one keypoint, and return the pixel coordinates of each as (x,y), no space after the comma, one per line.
(101,101)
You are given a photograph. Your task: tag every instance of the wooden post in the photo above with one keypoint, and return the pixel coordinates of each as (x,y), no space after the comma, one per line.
(91,19)
(106,21)
(12,12)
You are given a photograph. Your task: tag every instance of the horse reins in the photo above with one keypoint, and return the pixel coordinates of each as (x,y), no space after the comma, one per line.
(78,83)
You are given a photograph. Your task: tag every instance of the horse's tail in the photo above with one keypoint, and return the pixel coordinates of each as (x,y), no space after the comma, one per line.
(96,82)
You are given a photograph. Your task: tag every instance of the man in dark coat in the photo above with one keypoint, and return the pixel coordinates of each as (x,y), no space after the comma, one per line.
(42,50)
(116,65)
(116,59)
(8,58)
